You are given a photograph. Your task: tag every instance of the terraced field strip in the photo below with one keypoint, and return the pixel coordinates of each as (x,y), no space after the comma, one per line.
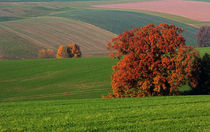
(177,113)
(191,9)
(50,32)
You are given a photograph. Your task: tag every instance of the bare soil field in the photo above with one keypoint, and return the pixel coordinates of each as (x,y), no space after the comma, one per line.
(195,10)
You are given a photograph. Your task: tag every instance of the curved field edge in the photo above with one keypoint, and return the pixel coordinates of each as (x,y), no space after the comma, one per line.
(118,21)
(179,19)
(23,38)
(177,113)
(46,79)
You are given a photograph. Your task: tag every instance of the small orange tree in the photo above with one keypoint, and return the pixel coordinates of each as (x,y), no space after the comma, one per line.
(59,52)
(46,53)
(153,61)
(74,50)
(69,51)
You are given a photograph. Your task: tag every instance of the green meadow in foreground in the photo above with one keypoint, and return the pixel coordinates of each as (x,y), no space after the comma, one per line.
(174,113)
(34,97)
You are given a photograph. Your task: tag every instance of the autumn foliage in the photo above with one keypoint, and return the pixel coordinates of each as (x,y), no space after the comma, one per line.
(153,61)
(69,51)
(46,53)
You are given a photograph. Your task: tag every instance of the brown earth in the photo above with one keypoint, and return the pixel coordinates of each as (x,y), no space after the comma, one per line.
(190,9)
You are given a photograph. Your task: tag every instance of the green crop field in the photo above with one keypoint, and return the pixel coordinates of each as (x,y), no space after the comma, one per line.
(65,95)
(118,21)
(55,78)
(181,113)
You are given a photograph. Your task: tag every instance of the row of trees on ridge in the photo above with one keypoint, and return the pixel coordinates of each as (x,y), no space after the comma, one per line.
(69,51)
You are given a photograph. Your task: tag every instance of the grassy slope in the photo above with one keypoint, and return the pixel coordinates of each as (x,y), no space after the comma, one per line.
(50,32)
(117,21)
(14,46)
(181,113)
(57,78)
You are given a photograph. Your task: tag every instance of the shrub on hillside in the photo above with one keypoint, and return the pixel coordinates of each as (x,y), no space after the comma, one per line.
(46,53)
(69,51)
(153,61)
(203,86)
(203,36)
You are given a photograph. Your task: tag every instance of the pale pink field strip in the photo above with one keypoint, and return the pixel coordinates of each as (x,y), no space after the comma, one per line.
(191,9)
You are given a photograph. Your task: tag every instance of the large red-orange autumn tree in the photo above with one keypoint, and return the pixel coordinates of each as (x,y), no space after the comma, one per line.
(153,61)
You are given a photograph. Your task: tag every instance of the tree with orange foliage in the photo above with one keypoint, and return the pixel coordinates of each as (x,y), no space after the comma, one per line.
(153,61)
(59,53)
(69,51)
(51,53)
(46,53)
(74,50)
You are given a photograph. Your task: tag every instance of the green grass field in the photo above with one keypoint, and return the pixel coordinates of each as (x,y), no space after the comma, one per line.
(118,21)
(181,113)
(55,78)
(58,78)
(65,95)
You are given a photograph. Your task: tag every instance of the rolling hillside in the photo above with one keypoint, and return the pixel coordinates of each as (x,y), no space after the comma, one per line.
(23,38)
(26,26)
(118,21)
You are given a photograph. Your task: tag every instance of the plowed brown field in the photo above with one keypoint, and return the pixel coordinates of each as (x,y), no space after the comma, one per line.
(190,9)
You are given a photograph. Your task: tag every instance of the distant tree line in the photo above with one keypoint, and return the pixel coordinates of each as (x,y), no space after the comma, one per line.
(69,51)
